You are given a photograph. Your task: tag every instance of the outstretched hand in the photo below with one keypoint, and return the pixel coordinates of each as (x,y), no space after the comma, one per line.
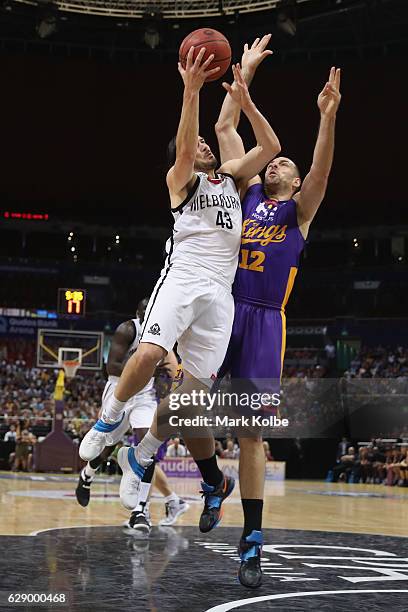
(239,89)
(195,73)
(329,98)
(255,54)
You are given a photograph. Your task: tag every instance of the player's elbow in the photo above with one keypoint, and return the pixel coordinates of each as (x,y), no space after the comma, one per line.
(272,147)
(221,126)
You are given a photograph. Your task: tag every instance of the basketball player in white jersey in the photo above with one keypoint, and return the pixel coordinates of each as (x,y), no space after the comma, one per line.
(192,301)
(138,415)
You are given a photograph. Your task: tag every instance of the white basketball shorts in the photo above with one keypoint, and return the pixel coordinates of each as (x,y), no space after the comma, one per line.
(197,312)
(139,410)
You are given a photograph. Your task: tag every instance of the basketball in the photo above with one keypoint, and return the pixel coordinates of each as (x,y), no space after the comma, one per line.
(214,42)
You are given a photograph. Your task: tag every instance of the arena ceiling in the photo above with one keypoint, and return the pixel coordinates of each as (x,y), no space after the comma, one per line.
(166,8)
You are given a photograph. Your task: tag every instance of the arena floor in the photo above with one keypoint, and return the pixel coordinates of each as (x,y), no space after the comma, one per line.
(332,546)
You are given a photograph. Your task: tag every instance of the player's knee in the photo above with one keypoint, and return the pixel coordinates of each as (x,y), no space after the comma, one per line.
(148,355)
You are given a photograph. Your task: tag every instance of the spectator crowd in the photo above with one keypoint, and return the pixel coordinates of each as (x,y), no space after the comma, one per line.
(379,462)
(379,362)
(310,399)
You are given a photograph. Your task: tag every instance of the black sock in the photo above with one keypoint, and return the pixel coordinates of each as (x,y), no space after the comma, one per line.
(252,515)
(148,475)
(95,463)
(210,471)
(105,454)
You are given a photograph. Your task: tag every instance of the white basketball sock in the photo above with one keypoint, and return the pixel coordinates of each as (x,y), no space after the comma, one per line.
(147,448)
(89,471)
(112,410)
(172,497)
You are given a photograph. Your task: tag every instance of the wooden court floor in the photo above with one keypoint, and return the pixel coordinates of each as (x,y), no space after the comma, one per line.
(37,502)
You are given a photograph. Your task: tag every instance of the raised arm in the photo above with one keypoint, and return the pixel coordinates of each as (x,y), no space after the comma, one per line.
(314,186)
(229,141)
(181,175)
(268,145)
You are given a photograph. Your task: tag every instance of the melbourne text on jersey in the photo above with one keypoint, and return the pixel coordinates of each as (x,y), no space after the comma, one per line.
(206,201)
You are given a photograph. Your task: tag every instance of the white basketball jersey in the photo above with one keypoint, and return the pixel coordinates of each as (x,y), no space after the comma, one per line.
(207,228)
(138,332)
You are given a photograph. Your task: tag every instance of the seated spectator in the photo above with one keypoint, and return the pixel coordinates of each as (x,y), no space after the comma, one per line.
(342,448)
(11,434)
(343,470)
(228,437)
(378,460)
(230,452)
(401,468)
(363,467)
(392,466)
(176,449)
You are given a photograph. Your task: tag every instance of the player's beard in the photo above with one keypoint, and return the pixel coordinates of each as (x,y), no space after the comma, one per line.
(272,184)
(206,164)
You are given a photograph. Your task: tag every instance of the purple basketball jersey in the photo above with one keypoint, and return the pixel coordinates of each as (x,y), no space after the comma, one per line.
(271,244)
(270,248)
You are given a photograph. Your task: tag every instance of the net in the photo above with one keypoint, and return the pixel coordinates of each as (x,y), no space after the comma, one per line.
(70,367)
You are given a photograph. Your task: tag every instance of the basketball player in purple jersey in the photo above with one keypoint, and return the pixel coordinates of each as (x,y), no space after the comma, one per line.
(276,218)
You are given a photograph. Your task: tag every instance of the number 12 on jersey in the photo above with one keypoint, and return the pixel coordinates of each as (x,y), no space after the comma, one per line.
(224,220)
(258,258)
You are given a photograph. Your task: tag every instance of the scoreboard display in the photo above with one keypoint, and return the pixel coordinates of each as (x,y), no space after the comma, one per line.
(71,302)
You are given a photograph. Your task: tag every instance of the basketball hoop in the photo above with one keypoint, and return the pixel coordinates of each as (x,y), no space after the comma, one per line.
(70,367)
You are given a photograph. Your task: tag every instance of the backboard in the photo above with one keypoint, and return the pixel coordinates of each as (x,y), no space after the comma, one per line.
(55,346)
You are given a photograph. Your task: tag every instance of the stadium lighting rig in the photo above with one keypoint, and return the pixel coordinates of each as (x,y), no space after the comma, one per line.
(167,8)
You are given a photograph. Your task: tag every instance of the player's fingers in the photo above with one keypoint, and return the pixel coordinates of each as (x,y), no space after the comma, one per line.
(246,47)
(189,61)
(180,68)
(199,57)
(208,61)
(239,75)
(212,71)
(337,78)
(332,73)
(324,91)
(227,86)
(264,41)
(254,44)
(266,53)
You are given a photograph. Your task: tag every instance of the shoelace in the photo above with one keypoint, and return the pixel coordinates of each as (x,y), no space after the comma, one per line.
(211,500)
(133,486)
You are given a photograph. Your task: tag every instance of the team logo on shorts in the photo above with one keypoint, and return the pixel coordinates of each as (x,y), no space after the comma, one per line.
(155,329)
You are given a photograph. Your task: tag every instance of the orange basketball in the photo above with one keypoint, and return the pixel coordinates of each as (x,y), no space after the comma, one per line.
(214,42)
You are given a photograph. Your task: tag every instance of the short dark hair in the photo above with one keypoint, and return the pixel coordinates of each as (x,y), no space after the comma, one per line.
(171,153)
(297,170)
